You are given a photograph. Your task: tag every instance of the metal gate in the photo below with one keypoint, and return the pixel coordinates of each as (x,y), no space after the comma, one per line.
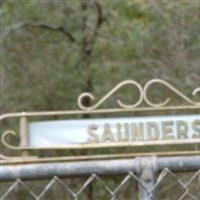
(151,178)
(146,176)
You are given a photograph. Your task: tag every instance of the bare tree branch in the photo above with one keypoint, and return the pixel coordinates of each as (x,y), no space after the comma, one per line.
(100,17)
(89,41)
(20,25)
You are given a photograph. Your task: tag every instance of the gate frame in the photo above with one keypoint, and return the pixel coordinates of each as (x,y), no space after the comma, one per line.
(146,168)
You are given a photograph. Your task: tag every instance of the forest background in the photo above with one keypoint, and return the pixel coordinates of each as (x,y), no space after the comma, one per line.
(53,50)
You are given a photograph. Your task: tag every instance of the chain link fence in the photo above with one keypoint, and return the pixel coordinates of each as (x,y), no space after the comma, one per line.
(178,182)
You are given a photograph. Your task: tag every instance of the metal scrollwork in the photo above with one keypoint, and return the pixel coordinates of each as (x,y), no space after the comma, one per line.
(143,95)
(5,143)
(172,88)
(109,94)
(142,99)
(195,92)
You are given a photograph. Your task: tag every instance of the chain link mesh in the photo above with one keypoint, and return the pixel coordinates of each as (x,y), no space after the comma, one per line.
(168,186)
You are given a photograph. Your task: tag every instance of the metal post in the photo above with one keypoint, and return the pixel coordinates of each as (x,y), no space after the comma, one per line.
(148,169)
(23,133)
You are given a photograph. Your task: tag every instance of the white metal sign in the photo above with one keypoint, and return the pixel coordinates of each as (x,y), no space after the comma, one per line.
(115,131)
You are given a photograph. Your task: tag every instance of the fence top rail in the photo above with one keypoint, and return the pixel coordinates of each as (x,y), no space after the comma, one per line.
(101,167)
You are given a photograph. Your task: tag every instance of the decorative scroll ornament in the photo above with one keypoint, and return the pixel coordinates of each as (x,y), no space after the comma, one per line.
(173,89)
(110,93)
(5,143)
(143,95)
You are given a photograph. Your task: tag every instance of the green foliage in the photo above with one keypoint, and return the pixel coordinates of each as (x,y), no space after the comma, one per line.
(53,50)
(44,70)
